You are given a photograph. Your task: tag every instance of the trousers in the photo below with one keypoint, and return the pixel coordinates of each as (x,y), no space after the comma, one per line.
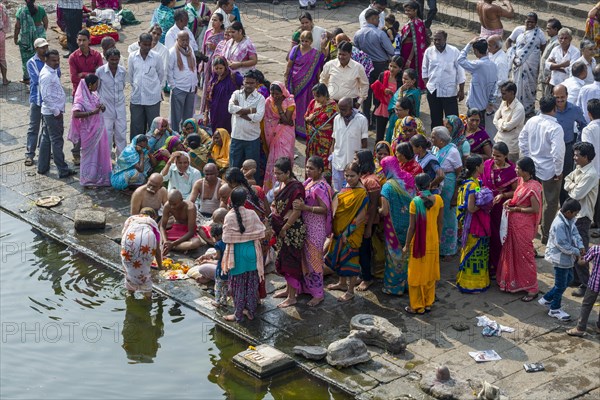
(182,107)
(141,118)
(550,207)
(440,106)
(33,132)
(73,20)
(52,137)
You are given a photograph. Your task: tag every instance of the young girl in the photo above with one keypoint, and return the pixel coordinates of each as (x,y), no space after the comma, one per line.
(383,90)
(391,27)
(409,91)
(221,279)
(423,242)
(349,222)
(382,150)
(242,259)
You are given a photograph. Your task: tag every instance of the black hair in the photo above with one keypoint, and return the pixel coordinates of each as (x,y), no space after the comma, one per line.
(380,2)
(84,32)
(585,149)
(547,104)
(420,141)
(473,111)
(471,165)
(260,77)
(237,26)
(365,161)
(275,87)
(407,104)
(481,46)
(399,61)
(532,15)
(337,31)
(221,3)
(422,182)
(180,15)
(413,5)
(353,166)
(165,2)
(305,14)
(285,165)
(593,107)
(219,60)
(555,23)
(509,86)
(238,199)
(113,51)
(235,175)
(251,74)
(571,205)
(501,147)
(412,74)
(153,27)
(526,164)
(90,79)
(344,46)
(145,37)
(406,150)
(441,32)
(596,73)
(193,140)
(577,68)
(216,230)
(381,145)
(317,162)
(31,7)
(52,52)
(321,89)
(371,13)
(149,212)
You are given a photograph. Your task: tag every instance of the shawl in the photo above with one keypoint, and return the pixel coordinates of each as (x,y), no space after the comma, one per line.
(420,240)
(283,203)
(221,153)
(155,143)
(272,115)
(205,138)
(523,47)
(458,130)
(84,101)
(524,191)
(405,124)
(255,231)
(350,203)
(378,87)
(128,158)
(412,167)
(172,143)
(189,55)
(391,169)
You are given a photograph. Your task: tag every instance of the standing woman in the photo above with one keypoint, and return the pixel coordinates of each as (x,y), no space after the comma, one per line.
(290,230)
(383,90)
(451,164)
(211,39)
(396,196)
(31,23)
(473,276)
(592,27)
(280,114)
(239,50)
(413,40)
(422,246)
(428,162)
(478,138)
(382,150)
(165,17)
(87,128)
(408,162)
(317,217)
(349,220)
(517,270)
(302,73)
(319,126)
(219,89)
(456,127)
(500,177)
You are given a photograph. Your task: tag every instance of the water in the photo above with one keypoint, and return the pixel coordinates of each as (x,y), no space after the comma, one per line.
(70,332)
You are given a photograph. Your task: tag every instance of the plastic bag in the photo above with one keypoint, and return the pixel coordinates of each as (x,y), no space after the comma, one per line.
(504,226)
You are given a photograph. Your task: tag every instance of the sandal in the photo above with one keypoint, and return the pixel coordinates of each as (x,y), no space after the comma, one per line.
(529,297)
(411,311)
(28,162)
(575,332)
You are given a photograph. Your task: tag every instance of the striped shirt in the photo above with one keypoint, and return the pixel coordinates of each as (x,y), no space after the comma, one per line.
(593,256)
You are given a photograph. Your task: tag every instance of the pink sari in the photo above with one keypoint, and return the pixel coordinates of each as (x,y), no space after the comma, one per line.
(280,138)
(517,268)
(206,68)
(95,166)
(414,29)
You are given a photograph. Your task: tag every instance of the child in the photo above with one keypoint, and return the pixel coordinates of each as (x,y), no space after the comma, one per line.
(391,27)
(383,90)
(591,293)
(242,259)
(249,170)
(204,231)
(564,245)
(221,279)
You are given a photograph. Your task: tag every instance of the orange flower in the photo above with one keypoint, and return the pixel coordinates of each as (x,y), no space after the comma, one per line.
(145,249)
(131,236)
(137,264)
(126,255)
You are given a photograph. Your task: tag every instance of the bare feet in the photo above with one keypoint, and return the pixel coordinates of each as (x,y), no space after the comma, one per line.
(364,285)
(287,303)
(247,314)
(216,304)
(230,317)
(315,301)
(346,297)
(280,294)
(5,82)
(337,286)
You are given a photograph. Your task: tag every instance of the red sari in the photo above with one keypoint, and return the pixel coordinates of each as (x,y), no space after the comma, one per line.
(412,167)
(414,29)
(517,269)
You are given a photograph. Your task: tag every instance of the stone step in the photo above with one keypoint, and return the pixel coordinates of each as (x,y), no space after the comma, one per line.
(574,8)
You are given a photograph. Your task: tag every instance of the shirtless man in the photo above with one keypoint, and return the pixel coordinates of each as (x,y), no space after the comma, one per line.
(205,191)
(490,14)
(182,236)
(152,195)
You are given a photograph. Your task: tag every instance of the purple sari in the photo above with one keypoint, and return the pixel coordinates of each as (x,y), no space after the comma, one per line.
(213,39)
(478,140)
(303,76)
(218,96)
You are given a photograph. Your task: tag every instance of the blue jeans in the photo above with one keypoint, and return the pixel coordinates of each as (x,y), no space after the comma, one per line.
(52,135)
(562,278)
(242,150)
(35,119)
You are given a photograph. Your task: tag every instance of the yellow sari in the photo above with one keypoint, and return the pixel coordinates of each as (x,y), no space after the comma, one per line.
(220,154)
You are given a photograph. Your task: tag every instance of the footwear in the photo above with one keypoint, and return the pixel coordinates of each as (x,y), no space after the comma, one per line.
(76,160)
(529,297)
(312,6)
(595,234)
(544,302)
(42,173)
(303,8)
(575,332)
(28,162)
(70,172)
(559,315)
(411,311)
(579,292)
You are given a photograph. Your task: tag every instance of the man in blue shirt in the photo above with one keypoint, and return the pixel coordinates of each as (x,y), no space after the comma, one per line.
(567,115)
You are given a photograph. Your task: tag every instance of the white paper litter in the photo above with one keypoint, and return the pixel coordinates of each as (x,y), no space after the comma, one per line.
(491,327)
(485,355)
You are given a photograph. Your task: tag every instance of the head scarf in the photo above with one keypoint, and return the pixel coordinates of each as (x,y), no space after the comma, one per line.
(171,143)
(84,100)
(391,169)
(221,153)
(286,93)
(129,157)
(458,130)
(156,123)
(408,123)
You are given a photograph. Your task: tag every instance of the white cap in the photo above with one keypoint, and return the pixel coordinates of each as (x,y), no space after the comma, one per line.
(40,42)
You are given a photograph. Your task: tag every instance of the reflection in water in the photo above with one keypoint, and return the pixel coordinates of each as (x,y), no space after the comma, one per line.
(141,329)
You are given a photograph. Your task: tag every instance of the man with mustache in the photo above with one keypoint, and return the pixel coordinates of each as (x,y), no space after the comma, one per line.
(152,194)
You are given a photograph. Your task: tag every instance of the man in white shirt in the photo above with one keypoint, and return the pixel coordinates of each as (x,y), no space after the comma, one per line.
(350,134)
(345,77)
(576,81)
(145,74)
(225,9)
(378,5)
(182,79)
(588,92)
(181,25)
(498,56)
(157,47)
(591,134)
(53,109)
(112,78)
(582,185)
(509,119)
(588,50)
(444,78)
(542,139)
(247,109)
(560,59)
(552,27)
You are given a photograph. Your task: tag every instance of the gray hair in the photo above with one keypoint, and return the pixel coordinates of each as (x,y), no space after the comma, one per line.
(565,31)
(442,133)
(587,43)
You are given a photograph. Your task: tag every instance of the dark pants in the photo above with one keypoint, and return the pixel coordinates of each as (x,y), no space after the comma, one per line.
(381,124)
(562,277)
(440,106)
(52,137)
(597,211)
(364,257)
(582,272)
(432,5)
(73,19)
(589,299)
(378,68)
(568,167)
(242,150)
(35,120)
(141,118)
(550,205)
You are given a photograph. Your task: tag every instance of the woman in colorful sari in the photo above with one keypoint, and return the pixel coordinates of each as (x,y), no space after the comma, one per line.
(413,40)
(140,246)
(406,128)
(402,107)
(396,195)
(478,138)
(382,150)
(290,230)
(164,16)
(592,27)
(133,164)
(500,177)
(422,246)
(162,156)
(301,74)
(239,50)
(31,23)
(220,88)
(406,157)
(158,134)
(319,126)
(349,222)
(280,114)
(197,143)
(220,148)
(211,39)
(456,127)
(524,57)
(317,217)
(474,222)
(87,128)
(428,162)
(517,270)
(451,164)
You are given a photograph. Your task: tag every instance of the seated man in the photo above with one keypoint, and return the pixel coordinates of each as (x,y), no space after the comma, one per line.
(205,192)
(180,175)
(182,235)
(152,195)
(249,169)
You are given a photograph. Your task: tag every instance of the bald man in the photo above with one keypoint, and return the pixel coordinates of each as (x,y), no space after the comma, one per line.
(205,192)
(152,195)
(182,235)
(490,16)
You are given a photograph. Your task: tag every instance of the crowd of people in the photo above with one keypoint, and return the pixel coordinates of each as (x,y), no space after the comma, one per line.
(470,188)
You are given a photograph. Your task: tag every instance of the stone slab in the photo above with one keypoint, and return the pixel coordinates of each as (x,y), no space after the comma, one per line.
(87,219)
(263,361)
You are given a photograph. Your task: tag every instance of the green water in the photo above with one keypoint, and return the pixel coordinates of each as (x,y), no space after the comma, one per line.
(70,332)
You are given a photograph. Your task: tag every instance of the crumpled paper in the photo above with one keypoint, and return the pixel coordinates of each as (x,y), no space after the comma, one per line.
(491,327)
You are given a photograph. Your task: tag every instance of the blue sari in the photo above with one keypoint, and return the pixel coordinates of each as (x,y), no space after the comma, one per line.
(124,173)
(450,229)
